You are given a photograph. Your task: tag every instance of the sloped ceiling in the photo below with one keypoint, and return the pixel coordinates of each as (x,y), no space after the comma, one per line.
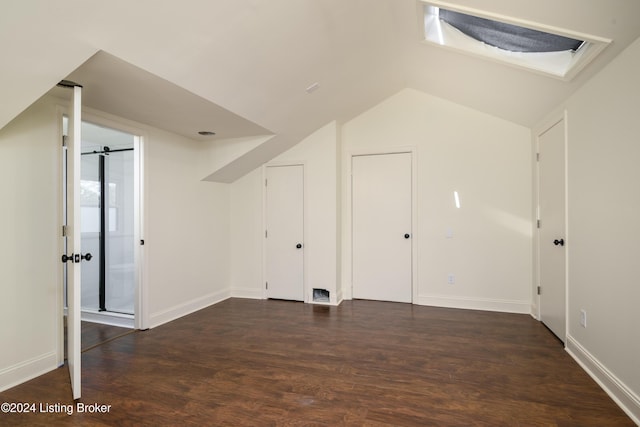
(114,86)
(255,58)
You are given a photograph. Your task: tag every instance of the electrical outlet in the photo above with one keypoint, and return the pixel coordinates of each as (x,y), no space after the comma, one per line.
(583,318)
(451,279)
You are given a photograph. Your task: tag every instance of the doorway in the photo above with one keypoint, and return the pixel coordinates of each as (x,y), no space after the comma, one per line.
(109,211)
(107,207)
(552,239)
(381,209)
(284,232)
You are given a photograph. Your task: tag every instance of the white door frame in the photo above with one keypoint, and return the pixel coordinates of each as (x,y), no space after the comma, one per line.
(347,223)
(542,129)
(141,318)
(61,198)
(307,297)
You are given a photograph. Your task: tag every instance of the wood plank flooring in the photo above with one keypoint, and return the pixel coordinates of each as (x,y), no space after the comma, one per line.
(95,334)
(258,363)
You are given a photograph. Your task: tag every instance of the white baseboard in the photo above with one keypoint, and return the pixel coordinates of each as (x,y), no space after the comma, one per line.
(27,370)
(157,319)
(249,293)
(106,318)
(534,311)
(616,389)
(332,303)
(347,291)
(486,304)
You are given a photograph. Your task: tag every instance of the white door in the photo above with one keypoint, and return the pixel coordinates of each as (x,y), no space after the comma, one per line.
(284,234)
(381,221)
(552,244)
(73,241)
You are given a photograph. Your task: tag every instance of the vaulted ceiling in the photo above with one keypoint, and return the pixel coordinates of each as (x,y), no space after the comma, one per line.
(242,68)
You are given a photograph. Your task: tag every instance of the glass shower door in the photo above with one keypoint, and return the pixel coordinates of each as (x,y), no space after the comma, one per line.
(107,205)
(119,268)
(90,207)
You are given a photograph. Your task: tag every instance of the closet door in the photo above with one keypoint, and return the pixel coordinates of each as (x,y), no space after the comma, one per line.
(381,227)
(285,232)
(552,231)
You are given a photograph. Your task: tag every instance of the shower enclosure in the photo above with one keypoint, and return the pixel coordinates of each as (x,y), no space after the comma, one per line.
(107,209)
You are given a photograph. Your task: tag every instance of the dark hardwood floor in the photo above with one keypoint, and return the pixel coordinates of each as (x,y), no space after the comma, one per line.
(249,362)
(95,334)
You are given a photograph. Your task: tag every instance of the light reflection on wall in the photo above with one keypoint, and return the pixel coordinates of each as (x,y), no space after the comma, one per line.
(518,224)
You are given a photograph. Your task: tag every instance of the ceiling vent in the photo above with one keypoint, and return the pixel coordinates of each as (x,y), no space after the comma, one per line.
(536,47)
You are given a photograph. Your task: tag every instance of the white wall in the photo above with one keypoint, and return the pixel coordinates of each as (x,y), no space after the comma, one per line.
(187,230)
(218,153)
(318,152)
(185,259)
(604,226)
(487,160)
(247,234)
(30,272)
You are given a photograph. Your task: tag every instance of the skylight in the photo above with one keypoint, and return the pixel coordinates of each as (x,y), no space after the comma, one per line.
(509,37)
(543,49)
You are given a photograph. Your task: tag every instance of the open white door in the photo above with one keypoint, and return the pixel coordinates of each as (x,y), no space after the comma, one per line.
(551,233)
(73,257)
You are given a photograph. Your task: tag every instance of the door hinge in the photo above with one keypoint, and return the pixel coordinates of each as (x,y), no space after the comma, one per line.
(265,182)
(266,285)
(538,223)
(265,234)
(64,231)
(537,157)
(64,140)
(539,290)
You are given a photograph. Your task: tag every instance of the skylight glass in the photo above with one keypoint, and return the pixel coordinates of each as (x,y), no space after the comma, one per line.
(509,37)
(536,47)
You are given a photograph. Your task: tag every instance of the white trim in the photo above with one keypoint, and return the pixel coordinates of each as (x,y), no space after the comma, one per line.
(468,303)
(567,232)
(141,318)
(180,310)
(101,118)
(28,369)
(60,111)
(108,318)
(624,397)
(249,293)
(330,303)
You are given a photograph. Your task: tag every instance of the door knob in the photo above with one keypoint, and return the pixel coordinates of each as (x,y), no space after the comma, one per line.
(66,258)
(558,242)
(407,235)
(87,257)
(299,245)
